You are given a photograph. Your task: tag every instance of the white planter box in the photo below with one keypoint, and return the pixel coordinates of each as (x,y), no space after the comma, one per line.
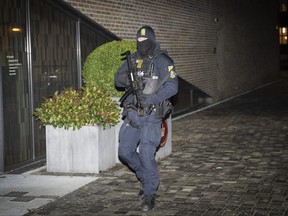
(87,150)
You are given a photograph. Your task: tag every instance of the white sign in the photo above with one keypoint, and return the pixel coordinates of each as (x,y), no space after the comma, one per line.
(13,65)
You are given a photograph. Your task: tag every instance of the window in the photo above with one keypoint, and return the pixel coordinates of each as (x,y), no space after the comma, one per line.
(283,7)
(283,35)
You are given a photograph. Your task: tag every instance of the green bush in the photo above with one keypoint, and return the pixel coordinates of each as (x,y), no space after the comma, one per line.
(102,63)
(92,104)
(87,106)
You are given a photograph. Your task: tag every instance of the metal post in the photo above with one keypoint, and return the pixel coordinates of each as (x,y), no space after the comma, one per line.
(30,75)
(1,126)
(78,54)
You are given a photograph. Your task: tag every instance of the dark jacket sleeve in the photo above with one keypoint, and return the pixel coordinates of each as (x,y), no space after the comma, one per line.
(121,75)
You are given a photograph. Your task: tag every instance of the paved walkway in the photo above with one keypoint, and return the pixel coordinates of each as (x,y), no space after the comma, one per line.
(30,190)
(230,159)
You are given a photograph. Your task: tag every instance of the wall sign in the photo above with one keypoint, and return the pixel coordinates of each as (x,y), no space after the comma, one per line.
(13,65)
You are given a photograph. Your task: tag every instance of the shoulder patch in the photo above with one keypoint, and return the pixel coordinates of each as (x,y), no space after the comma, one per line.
(172,72)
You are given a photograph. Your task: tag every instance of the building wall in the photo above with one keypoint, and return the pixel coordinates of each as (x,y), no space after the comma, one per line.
(248,46)
(223,47)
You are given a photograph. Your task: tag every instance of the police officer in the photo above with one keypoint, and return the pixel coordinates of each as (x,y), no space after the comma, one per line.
(156,82)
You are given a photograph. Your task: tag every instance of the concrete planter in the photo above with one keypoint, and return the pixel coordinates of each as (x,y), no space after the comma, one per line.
(87,150)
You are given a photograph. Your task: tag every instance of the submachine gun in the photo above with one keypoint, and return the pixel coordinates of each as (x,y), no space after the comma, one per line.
(135,85)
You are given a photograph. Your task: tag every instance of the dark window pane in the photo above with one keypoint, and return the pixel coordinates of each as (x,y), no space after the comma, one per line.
(14,83)
(54,68)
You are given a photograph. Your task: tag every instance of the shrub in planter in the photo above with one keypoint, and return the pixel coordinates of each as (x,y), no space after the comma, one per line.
(77,108)
(102,63)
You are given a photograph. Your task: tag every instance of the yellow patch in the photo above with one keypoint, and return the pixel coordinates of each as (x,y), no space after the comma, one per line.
(139,63)
(170,68)
(172,74)
(143,32)
(172,71)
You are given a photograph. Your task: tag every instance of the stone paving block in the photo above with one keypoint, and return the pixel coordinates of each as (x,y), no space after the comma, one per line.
(228,160)
(23,199)
(15,194)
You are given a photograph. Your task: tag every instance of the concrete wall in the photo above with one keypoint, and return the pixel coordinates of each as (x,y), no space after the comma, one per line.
(223,47)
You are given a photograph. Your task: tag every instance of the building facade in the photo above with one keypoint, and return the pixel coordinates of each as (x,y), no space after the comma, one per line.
(283,36)
(43,45)
(223,48)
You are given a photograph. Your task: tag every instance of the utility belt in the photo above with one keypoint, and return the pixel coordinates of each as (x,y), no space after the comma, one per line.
(161,110)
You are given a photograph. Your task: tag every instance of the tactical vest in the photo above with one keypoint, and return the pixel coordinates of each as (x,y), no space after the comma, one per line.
(145,71)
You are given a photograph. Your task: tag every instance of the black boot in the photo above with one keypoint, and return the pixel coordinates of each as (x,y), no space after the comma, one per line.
(148,202)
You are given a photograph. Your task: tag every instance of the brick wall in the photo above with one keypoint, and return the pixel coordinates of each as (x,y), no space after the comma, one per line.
(223,47)
(248,47)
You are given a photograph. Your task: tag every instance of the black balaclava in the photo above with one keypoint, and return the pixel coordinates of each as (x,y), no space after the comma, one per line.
(146,46)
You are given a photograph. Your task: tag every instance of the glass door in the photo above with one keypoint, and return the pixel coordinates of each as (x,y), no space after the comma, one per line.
(54,57)
(18,146)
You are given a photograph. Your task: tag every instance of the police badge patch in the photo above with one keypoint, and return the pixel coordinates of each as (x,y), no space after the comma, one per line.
(143,32)
(172,71)
(139,63)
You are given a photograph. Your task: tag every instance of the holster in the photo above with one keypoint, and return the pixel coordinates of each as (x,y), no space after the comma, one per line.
(163,109)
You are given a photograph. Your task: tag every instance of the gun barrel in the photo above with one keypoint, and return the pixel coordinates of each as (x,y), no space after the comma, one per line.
(133,85)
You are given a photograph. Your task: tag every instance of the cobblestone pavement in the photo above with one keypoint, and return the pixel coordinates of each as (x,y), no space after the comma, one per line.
(230,159)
